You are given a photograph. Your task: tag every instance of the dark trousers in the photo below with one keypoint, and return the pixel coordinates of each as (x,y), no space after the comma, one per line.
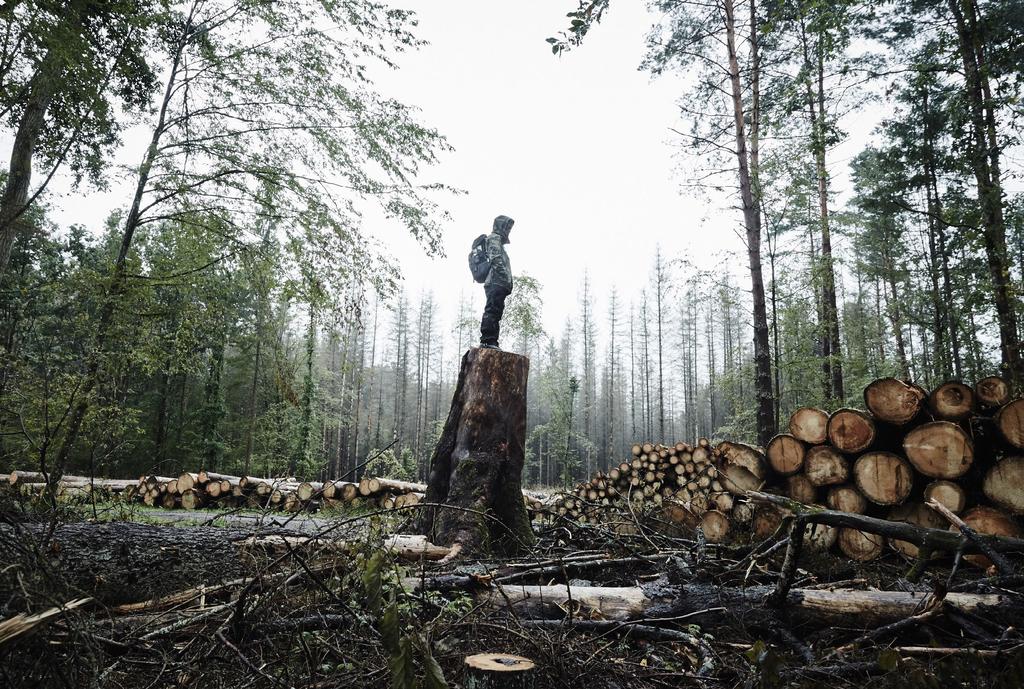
(490,325)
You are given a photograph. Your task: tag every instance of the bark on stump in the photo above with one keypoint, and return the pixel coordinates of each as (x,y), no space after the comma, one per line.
(499,671)
(477,465)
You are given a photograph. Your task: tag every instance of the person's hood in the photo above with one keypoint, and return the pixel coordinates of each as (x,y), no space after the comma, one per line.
(503,225)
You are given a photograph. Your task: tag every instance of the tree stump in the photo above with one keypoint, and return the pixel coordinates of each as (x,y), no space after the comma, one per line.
(477,465)
(499,671)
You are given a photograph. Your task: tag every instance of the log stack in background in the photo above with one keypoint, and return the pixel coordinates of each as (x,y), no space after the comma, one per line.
(32,485)
(207,489)
(959,445)
(195,490)
(682,482)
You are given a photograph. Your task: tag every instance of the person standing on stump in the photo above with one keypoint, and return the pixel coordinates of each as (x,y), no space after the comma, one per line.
(498,284)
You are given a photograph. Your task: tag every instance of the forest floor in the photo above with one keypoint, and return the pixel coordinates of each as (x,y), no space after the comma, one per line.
(145,598)
(237,518)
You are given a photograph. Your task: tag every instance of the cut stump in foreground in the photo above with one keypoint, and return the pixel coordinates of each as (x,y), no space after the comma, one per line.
(499,671)
(477,465)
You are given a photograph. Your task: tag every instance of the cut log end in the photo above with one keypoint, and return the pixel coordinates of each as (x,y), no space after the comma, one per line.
(918,515)
(952,401)
(846,498)
(851,431)
(883,478)
(785,454)
(1010,421)
(1004,484)
(823,466)
(940,449)
(989,520)
(809,425)
(893,401)
(951,495)
(859,545)
(992,391)
(715,526)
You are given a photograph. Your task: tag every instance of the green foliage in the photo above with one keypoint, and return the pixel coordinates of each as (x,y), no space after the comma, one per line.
(387,465)
(522,316)
(404,646)
(85,62)
(766,663)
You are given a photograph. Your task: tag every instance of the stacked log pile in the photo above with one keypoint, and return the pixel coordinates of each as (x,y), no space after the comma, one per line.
(32,485)
(682,482)
(194,490)
(207,489)
(957,445)
(960,446)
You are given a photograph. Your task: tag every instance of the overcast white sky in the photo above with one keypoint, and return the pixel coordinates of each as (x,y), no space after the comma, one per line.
(577,149)
(573,148)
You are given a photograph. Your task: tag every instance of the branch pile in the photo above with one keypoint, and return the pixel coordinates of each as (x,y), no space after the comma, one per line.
(588,606)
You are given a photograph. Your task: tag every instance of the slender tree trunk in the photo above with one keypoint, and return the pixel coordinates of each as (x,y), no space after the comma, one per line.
(896,320)
(752,221)
(632,371)
(213,413)
(41,91)
(712,382)
(253,389)
(832,370)
(941,359)
(659,277)
(115,285)
(984,154)
(160,435)
(302,452)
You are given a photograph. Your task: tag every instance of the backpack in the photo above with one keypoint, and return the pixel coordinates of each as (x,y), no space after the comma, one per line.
(479,264)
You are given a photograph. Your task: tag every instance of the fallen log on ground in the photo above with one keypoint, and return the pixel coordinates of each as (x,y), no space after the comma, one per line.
(125,561)
(407,547)
(713,606)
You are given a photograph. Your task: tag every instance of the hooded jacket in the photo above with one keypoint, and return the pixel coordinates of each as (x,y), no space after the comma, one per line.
(500,274)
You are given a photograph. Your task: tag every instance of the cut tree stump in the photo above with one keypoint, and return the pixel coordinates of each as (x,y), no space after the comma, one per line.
(499,671)
(477,465)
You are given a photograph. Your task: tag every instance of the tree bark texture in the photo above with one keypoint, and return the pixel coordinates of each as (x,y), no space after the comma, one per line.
(15,195)
(477,465)
(752,223)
